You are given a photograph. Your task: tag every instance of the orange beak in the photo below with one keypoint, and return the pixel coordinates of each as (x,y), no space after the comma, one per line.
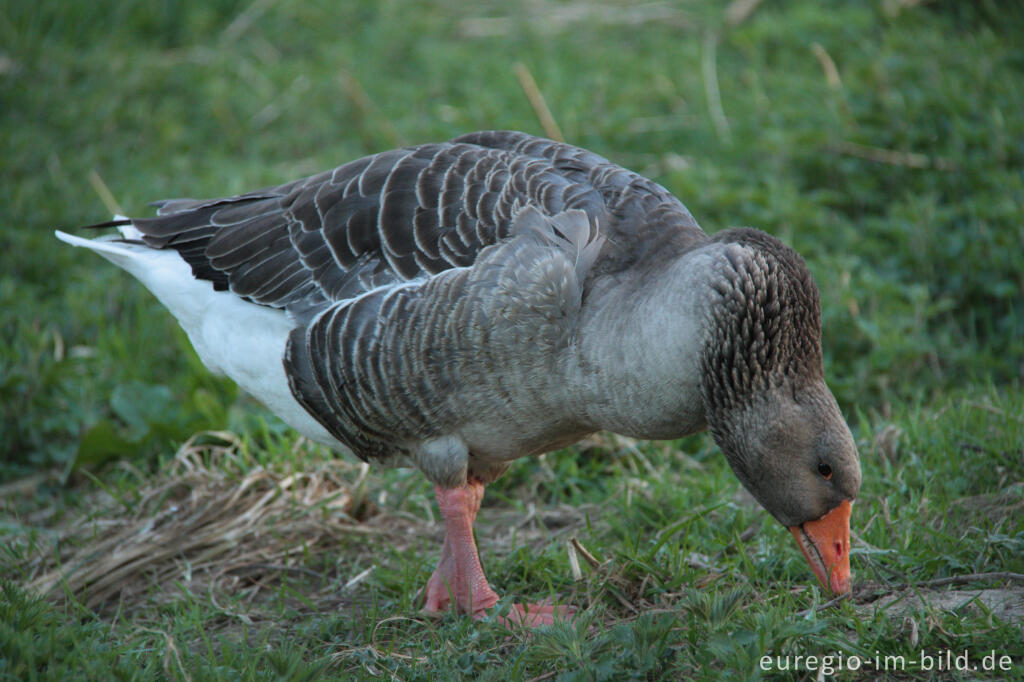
(826,546)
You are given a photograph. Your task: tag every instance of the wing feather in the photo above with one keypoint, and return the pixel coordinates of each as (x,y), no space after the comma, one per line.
(405,214)
(447,342)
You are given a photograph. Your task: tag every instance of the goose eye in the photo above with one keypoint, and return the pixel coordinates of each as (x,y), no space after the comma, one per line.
(825,471)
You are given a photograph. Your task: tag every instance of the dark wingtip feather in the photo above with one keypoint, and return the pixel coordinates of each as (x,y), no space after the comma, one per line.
(109,223)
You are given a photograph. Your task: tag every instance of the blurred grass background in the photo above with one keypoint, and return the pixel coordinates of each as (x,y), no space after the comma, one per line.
(883,140)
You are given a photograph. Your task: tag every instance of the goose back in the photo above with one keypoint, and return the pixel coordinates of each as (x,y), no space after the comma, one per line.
(409,213)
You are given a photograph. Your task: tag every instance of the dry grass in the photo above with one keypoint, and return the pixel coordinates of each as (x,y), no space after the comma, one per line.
(213,526)
(208,525)
(239,541)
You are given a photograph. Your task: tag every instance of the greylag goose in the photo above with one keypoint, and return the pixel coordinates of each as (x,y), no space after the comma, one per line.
(455,306)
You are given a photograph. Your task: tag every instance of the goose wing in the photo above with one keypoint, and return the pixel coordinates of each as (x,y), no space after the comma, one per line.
(405,214)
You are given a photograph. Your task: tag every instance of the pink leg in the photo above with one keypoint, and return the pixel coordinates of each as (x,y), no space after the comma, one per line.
(459,574)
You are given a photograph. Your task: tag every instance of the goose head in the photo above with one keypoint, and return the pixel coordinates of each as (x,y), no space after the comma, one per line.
(767,404)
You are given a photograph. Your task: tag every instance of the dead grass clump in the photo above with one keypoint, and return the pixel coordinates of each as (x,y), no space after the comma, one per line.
(208,522)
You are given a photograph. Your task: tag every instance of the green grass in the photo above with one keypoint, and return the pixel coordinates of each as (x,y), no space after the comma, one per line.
(901,183)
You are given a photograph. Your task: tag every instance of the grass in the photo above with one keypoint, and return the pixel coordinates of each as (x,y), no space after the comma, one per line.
(882,140)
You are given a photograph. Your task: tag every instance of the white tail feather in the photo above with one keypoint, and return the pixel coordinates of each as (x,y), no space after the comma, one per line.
(232,336)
